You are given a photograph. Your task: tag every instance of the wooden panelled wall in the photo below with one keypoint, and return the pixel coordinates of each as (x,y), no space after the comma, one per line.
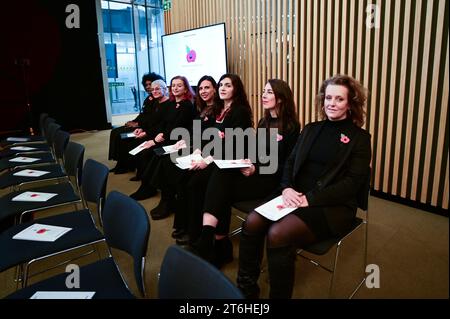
(399,51)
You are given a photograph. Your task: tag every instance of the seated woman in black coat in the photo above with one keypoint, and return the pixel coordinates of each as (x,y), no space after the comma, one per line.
(322,177)
(228,186)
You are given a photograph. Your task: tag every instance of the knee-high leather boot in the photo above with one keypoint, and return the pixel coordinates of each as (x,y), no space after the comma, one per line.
(281,262)
(251,249)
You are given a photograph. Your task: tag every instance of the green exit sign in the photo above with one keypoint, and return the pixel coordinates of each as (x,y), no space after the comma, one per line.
(167,5)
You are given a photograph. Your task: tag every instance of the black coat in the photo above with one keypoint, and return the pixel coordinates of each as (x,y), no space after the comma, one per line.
(337,188)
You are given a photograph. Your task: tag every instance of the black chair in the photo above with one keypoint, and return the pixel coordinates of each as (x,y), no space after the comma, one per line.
(127,228)
(83,233)
(44,123)
(67,194)
(41,157)
(186,276)
(334,244)
(72,165)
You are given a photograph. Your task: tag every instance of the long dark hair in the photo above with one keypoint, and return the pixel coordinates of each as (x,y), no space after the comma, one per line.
(199,103)
(357,96)
(239,95)
(189,95)
(285,107)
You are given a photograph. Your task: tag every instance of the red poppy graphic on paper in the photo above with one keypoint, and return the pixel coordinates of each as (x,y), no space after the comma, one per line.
(279,137)
(42,231)
(191,55)
(34,195)
(344,139)
(221,134)
(280,207)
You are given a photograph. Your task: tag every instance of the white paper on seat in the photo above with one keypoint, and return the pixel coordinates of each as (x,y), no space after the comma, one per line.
(224,164)
(63,295)
(22,148)
(30,173)
(33,197)
(186,162)
(138,149)
(23,159)
(274,209)
(17,139)
(42,232)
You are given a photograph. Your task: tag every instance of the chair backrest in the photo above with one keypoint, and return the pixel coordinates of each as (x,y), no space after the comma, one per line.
(127,227)
(186,276)
(363,194)
(73,164)
(47,122)
(61,140)
(53,128)
(94,181)
(42,118)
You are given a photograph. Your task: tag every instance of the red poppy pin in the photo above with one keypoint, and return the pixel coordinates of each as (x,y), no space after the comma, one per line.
(177,106)
(221,134)
(279,137)
(344,139)
(205,119)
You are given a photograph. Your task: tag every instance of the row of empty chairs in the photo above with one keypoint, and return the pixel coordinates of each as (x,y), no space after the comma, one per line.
(126,226)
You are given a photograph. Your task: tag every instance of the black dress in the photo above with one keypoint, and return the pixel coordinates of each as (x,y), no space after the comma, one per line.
(228,186)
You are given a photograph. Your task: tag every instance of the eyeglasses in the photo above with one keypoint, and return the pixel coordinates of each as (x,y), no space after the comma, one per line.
(156,89)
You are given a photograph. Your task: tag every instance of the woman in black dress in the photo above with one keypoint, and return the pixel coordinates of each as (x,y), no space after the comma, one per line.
(228,186)
(322,177)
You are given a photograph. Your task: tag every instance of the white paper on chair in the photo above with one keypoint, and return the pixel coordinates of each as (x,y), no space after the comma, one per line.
(41,232)
(138,149)
(186,162)
(30,173)
(22,148)
(33,197)
(63,295)
(17,139)
(224,164)
(23,159)
(274,209)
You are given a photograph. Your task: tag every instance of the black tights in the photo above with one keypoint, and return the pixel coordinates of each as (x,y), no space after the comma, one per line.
(290,230)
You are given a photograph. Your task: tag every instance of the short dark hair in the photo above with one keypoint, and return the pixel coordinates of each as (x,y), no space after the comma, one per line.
(152,76)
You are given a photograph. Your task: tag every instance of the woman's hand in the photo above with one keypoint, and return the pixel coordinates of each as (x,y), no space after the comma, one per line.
(198,165)
(248,171)
(180,144)
(159,138)
(292,198)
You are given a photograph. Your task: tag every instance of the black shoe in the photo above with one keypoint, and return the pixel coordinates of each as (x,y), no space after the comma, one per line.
(135,179)
(163,210)
(144,193)
(177,233)
(183,240)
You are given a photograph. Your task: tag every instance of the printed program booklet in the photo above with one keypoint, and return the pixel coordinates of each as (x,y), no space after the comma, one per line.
(186,162)
(30,173)
(275,209)
(23,159)
(22,148)
(41,232)
(224,164)
(33,197)
(17,139)
(63,295)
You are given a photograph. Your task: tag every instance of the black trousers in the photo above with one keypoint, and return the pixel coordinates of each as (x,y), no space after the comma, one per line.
(115,140)
(227,186)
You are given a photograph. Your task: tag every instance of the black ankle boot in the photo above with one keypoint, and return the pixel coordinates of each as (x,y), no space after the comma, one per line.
(223,252)
(281,262)
(251,250)
(163,210)
(204,246)
(144,192)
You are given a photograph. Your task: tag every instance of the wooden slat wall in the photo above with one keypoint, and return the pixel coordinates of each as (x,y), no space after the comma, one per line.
(404,64)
